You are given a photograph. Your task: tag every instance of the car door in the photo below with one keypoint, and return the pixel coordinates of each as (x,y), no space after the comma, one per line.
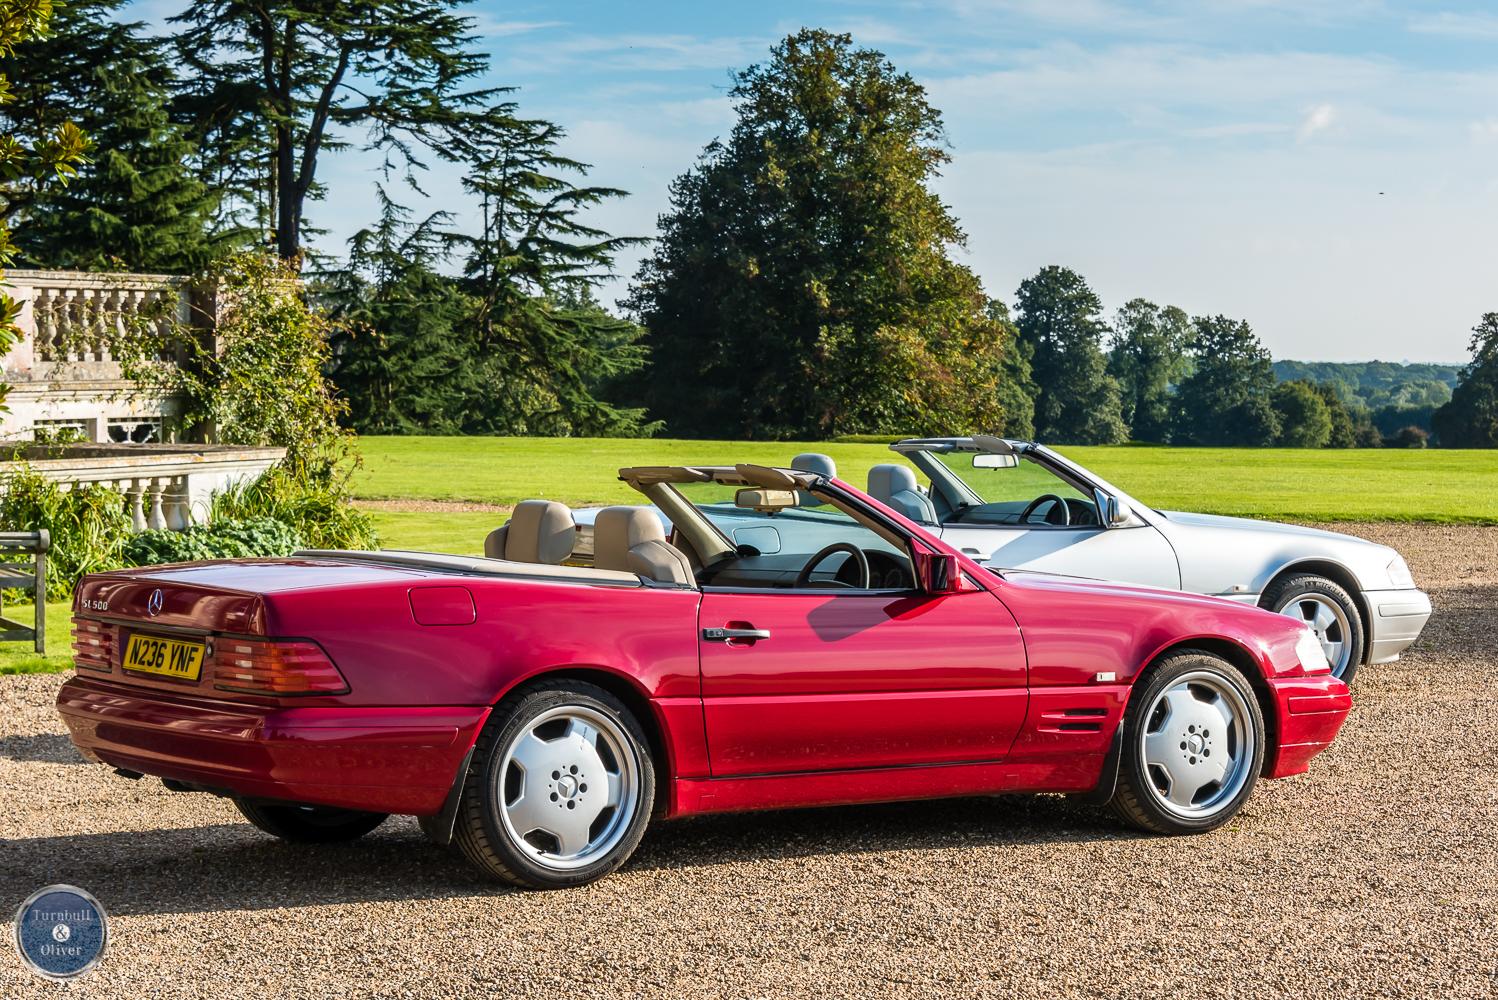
(1134,554)
(828,677)
(1022,514)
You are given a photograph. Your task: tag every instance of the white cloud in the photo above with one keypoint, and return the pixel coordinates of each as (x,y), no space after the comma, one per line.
(1317,119)
(487,27)
(1484,132)
(1458,25)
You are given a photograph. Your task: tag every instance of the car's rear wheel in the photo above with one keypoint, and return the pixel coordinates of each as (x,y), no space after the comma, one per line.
(1193,745)
(310,824)
(1329,611)
(561,787)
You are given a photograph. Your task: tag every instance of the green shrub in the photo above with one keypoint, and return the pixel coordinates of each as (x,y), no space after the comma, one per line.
(319,511)
(226,539)
(89,526)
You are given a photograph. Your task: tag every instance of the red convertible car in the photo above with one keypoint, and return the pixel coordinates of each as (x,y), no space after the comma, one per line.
(540,709)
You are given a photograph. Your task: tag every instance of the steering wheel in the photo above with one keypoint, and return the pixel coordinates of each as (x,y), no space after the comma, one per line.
(803,578)
(1065,510)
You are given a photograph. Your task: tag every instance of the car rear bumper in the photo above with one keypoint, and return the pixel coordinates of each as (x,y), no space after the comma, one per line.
(393,760)
(1397,616)
(1309,712)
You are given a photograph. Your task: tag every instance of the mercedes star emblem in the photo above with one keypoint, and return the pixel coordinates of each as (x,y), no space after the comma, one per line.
(154,604)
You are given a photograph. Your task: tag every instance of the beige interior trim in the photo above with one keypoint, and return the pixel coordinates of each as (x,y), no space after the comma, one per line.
(474,564)
(705,538)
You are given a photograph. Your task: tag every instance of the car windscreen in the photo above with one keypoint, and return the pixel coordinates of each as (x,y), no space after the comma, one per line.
(774,548)
(1024,494)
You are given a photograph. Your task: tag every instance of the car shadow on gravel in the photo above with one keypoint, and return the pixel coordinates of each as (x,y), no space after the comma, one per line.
(894,826)
(232,866)
(49,748)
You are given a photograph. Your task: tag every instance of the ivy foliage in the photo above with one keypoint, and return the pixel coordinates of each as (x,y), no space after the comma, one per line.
(802,286)
(225,539)
(257,379)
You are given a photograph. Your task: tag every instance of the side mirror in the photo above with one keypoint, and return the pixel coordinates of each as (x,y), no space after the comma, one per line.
(765,501)
(1112,512)
(939,573)
(985,460)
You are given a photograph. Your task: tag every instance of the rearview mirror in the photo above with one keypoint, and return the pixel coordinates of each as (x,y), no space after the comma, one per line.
(765,501)
(984,460)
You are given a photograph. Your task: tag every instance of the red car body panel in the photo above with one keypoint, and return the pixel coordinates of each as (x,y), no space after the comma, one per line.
(855,698)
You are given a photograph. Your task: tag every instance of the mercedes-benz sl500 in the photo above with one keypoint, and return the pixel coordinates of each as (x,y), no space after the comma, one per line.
(540,713)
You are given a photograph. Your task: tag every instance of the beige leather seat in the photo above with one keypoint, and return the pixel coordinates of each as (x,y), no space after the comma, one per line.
(631,539)
(539,531)
(895,486)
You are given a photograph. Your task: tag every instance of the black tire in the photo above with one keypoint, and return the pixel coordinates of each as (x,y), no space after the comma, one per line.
(1185,692)
(501,794)
(311,824)
(1301,596)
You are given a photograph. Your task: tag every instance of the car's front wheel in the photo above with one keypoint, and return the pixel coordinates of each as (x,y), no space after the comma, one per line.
(561,787)
(1193,745)
(1327,609)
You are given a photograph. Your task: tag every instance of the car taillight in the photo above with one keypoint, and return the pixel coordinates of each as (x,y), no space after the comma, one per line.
(266,666)
(92,643)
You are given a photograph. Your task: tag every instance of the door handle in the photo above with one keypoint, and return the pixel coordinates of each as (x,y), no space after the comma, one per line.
(724,634)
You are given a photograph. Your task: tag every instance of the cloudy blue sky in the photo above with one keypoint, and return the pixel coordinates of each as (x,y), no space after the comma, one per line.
(1326,170)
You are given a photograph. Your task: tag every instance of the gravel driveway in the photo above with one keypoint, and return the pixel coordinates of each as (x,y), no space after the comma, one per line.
(1373,875)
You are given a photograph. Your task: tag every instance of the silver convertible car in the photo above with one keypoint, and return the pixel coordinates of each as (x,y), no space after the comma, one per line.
(1016,505)
(1019,505)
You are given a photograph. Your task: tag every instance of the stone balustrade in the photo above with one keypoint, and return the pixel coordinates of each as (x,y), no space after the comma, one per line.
(166,486)
(63,373)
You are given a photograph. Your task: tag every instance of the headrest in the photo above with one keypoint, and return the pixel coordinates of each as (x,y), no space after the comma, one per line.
(811,461)
(616,530)
(541,531)
(887,480)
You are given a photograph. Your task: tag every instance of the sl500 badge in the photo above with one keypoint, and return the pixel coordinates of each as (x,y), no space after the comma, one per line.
(61,932)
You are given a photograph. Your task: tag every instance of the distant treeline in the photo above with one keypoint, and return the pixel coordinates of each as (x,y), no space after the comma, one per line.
(1391,395)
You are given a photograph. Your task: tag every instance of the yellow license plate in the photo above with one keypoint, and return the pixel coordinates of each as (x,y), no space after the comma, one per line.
(169,657)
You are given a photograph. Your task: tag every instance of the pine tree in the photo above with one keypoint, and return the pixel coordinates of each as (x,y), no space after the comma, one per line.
(137,204)
(399,357)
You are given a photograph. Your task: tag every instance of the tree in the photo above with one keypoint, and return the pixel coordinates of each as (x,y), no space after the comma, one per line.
(1304,420)
(1226,400)
(1148,356)
(1344,432)
(1078,402)
(1017,389)
(398,354)
(32,154)
(273,81)
(1470,420)
(138,204)
(801,286)
(515,346)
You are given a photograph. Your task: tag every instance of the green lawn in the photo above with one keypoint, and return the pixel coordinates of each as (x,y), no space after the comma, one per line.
(20,658)
(1281,484)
